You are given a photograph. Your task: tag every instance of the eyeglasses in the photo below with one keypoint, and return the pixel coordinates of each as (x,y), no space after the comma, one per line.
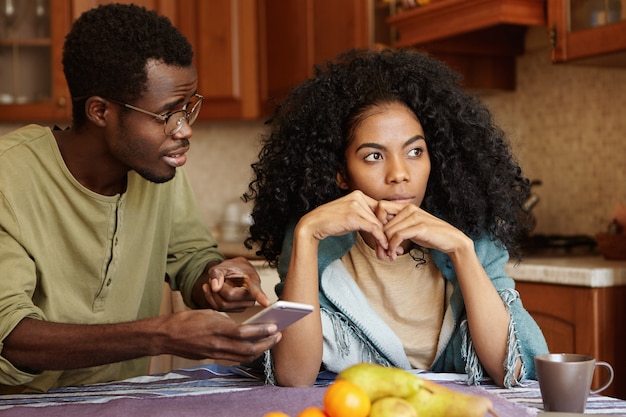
(172,121)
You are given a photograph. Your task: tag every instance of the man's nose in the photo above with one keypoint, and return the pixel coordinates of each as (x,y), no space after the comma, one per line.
(185,131)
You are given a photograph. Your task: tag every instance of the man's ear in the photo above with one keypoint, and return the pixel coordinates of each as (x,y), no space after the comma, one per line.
(340,179)
(96,109)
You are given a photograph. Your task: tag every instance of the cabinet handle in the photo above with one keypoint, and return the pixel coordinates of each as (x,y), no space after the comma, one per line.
(62,102)
(553,37)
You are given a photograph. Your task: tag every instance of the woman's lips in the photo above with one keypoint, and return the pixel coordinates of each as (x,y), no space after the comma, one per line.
(401,199)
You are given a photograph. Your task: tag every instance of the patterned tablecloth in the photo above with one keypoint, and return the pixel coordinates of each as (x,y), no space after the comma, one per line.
(216,391)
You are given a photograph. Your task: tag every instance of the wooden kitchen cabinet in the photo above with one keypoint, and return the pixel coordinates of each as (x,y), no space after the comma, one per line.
(582,320)
(480,39)
(588,31)
(32,85)
(224,35)
(249,53)
(299,34)
(225,38)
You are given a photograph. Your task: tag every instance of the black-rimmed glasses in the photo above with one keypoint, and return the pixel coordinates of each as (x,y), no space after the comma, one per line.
(173,121)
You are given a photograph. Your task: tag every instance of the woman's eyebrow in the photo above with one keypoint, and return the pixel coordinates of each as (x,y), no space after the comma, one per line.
(415,138)
(370,145)
(375,145)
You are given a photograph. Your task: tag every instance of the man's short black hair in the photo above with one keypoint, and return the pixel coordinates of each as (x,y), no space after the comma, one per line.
(106,52)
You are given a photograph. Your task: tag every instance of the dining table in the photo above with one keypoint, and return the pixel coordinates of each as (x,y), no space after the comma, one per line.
(238,391)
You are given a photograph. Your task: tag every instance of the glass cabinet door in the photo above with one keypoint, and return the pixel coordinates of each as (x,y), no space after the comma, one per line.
(31,80)
(588,31)
(587,14)
(25,55)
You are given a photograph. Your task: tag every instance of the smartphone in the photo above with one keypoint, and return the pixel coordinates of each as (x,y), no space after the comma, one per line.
(282,313)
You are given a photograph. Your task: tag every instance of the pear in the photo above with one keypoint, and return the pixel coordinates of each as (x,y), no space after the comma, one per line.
(392,407)
(436,400)
(427,397)
(380,381)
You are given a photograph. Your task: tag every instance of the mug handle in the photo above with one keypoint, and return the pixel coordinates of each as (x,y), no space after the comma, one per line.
(604,386)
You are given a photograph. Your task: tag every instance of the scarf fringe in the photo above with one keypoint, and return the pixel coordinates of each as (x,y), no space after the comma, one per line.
(343,329)
(473,367)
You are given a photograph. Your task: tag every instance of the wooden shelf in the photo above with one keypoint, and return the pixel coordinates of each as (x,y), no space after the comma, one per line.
(479,38)
(449,18)
(26,42)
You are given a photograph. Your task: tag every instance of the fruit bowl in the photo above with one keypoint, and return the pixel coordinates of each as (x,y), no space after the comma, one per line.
(612,246)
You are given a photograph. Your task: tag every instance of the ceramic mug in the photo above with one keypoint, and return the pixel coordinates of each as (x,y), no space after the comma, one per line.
(565,380)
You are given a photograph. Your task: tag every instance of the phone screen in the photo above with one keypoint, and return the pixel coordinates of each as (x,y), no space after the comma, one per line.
(282,313)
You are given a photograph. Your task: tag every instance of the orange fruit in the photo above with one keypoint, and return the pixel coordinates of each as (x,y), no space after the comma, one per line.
(346,399)
(312,412)
(275,414)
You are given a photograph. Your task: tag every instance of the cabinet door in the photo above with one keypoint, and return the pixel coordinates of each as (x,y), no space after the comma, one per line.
(32,85)
(588,31)
(225,39)
(564,315)
(582,320)
(299,34)
(80,6)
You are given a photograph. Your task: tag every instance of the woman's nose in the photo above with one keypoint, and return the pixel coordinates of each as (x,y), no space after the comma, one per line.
(397,171)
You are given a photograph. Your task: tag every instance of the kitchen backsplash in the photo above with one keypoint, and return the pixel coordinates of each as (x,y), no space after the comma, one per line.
(567,127)
(566,124)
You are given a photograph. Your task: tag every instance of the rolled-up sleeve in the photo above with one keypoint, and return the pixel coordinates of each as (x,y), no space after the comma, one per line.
(191,245)
(17,284)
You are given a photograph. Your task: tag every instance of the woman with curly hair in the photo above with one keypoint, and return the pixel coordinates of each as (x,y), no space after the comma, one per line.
(390,201)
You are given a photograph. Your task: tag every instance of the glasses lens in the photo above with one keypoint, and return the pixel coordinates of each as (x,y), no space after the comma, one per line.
(194,112)
(175,122)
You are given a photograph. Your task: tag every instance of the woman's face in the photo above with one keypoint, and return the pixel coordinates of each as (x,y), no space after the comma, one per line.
(387,158)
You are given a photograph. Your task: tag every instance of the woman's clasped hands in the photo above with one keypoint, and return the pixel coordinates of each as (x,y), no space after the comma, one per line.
(390,227)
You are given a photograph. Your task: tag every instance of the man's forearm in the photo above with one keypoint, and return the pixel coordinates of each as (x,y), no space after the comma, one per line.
(36,345)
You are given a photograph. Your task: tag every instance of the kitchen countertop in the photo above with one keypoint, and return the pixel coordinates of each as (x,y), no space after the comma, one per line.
(233,249)
(585,271)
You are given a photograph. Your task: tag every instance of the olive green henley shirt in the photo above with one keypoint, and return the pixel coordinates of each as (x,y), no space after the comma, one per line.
(70,255)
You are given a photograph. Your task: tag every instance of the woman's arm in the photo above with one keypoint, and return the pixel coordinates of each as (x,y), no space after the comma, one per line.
(487,316)
(297,358)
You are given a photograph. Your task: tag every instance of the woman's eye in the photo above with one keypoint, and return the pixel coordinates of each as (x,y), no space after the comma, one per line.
(416,152)
(375,156)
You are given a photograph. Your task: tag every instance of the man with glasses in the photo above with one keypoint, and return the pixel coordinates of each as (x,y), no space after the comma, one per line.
(95,217)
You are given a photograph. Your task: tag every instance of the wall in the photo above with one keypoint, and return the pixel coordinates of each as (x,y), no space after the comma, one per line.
(566,124)
(218,164)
